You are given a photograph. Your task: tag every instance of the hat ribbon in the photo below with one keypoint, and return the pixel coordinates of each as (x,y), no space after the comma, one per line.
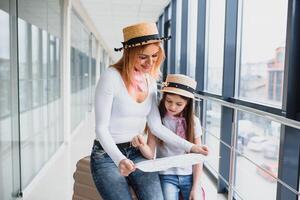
(132,42)
(179,86)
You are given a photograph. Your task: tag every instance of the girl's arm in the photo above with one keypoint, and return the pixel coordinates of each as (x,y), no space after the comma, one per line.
(147,149)
(197,169)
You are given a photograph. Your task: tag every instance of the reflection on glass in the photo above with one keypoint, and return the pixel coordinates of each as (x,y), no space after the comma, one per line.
(215,26)
(192,38)
(39,83)
(80,56)
(36,70)
(251,179)
(257,139)
(6,173)
(25,90)
(262,51)
(4,65)
(93,70)
(212,133)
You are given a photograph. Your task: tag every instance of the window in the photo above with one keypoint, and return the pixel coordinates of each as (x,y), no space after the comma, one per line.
(39,70)
(258,140)
(4,65)
(36,68)
(178,35)
(7,185)
(212,127)
(215,25)
(24,66)
(192,38)
(80,56)
(263,38)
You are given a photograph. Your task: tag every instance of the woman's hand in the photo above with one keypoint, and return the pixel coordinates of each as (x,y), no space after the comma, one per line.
(194,194)
(126,166)
(138,141)
(201,149)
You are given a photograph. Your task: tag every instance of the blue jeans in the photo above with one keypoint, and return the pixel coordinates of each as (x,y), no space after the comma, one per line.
(173,185)
(112,186)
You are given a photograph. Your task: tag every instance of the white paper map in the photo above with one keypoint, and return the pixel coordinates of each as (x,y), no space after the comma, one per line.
(160,164)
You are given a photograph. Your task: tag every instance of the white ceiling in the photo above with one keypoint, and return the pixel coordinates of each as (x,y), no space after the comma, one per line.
(110,16)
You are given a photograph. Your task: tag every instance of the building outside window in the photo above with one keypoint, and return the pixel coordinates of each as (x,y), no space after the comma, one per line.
(261,64)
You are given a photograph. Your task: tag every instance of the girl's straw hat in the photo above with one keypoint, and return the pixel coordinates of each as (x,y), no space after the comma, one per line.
(180,84)
(140,34)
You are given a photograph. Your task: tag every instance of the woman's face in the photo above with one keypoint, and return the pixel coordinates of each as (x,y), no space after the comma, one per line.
(174,104)
(147,59)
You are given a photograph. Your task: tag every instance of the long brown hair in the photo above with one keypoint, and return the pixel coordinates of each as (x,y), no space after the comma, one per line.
(188,114)
(126,64)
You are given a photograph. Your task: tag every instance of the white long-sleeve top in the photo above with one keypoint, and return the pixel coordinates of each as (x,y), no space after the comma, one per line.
(119,117)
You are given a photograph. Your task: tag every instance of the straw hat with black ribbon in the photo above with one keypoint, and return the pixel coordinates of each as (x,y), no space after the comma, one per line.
(140,34)
(180,84)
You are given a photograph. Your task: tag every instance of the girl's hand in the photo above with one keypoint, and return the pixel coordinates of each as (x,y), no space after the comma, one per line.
(201,149)
(126,166)
(138,141)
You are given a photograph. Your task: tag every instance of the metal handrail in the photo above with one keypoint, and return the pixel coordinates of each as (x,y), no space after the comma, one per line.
(221,177)
(273,117)
(252,162)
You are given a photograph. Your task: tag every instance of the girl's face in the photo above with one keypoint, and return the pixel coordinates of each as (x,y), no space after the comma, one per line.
(174,104)
(147,59)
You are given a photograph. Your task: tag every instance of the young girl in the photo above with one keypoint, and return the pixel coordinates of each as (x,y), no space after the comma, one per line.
(176,110)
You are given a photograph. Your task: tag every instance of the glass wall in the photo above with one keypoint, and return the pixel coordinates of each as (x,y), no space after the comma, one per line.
(93,69)
(192,38)
(41,117)
(212,125)
(36,67)
(215,28)
(7,184)
(80,73)
(258,143)
(262,66)
(178,35)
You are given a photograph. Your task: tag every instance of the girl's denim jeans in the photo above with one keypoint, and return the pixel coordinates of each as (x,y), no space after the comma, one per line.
(112,186)
(173,185)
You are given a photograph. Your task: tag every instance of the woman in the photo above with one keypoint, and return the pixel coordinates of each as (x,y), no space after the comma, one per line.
(125,100)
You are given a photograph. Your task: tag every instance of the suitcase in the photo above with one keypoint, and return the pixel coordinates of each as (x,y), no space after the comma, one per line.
(84,187)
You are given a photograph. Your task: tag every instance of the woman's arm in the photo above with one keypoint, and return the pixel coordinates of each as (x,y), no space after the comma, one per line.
(197,170)
(104,95)
(147,149)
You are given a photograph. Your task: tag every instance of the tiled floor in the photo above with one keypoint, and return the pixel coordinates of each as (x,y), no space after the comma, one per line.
(56,182)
